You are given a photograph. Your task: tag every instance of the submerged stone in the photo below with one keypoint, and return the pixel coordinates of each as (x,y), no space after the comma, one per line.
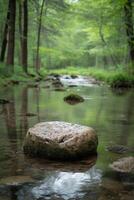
(60,141)
(120,149)
(123,165)
(73,99)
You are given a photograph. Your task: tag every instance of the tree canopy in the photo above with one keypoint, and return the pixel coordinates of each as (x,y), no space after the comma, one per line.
(60,33)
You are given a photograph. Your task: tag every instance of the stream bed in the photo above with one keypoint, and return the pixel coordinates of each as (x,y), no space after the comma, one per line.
(109,112)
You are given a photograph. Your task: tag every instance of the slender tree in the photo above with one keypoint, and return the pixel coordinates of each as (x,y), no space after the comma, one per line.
(38,36)
(128,9)
(23,30)
(11,33)
(4,41)
(25,37)
(20,29)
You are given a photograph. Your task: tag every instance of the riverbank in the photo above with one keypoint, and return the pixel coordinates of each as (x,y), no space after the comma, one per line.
(114,78)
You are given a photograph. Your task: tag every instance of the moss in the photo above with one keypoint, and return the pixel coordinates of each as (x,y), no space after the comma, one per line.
(73,99)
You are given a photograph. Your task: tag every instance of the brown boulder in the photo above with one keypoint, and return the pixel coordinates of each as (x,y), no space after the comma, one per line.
(60,141)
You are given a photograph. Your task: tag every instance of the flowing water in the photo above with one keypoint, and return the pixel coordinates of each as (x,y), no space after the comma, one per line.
(110,113)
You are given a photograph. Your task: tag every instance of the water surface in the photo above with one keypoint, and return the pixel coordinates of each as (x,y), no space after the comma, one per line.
(110,113)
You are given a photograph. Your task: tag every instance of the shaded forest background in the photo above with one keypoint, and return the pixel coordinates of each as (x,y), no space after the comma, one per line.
(36,35)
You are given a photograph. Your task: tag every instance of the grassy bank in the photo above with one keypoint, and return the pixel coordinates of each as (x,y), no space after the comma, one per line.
(7,77)
(115,78)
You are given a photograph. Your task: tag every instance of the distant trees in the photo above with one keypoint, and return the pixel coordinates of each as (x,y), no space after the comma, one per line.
(60,33)
(8,42)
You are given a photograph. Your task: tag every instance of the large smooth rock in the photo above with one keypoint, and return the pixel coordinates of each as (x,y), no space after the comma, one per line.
(60,140)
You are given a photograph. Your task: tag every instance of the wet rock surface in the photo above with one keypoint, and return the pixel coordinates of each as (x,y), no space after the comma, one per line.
(60,141)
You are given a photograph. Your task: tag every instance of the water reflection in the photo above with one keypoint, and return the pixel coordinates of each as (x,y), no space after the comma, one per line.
(24,111)
(64,185)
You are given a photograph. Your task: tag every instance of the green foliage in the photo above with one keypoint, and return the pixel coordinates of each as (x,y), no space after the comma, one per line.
(75,33)
(121,80)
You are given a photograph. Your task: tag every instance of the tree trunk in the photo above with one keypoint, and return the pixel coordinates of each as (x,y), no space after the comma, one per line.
(23,31)
(38,38)
(25,36)
(4,42)
(20,31)
(128,9)
(11,33)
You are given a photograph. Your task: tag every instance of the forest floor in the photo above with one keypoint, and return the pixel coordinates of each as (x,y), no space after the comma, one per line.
(114,78)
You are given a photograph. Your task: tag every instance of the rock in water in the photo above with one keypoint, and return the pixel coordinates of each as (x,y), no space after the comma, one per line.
(60,141)
(73,99)
(123,165)
(118,149)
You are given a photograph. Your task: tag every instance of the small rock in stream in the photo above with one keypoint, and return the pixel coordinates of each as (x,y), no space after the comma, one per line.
(73,99)
(123,165)
(74,76)
(120,149)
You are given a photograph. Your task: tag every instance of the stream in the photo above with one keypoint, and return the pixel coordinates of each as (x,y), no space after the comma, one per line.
(109,112)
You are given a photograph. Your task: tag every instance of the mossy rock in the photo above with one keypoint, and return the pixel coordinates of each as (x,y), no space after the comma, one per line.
(74,76)
(73,99)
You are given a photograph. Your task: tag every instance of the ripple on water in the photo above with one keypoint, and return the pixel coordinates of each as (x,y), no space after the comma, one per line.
(67,185)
